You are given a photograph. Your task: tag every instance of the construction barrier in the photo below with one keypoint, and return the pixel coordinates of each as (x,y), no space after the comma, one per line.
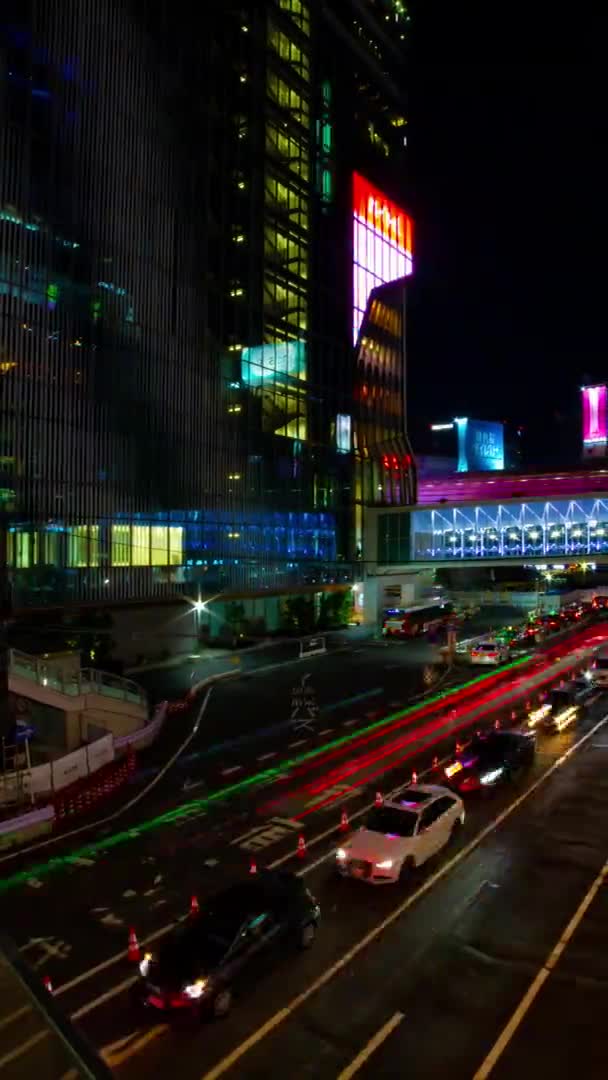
(90,791)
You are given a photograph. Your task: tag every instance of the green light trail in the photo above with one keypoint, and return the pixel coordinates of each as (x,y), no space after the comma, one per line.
(268,775)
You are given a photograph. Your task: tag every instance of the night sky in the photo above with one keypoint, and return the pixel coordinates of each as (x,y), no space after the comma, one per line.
(508,185)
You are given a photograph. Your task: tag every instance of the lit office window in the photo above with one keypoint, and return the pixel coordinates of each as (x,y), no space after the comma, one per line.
(121,545)
(83,545)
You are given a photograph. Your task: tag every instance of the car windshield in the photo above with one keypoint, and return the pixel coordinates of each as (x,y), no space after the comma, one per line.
(392,822)
(489,646)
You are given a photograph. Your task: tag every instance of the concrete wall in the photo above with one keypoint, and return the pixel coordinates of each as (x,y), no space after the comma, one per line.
(98,719)
(153,632)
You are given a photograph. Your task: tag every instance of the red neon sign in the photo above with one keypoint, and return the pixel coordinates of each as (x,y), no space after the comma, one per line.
(379,213)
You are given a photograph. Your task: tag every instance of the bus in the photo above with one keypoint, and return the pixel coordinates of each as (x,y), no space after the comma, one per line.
(418,619)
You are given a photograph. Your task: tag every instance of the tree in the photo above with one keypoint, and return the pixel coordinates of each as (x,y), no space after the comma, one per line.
(299,614)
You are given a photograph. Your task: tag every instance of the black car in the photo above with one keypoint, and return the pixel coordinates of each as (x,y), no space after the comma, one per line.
(217,949)
(566,703)
(490,759)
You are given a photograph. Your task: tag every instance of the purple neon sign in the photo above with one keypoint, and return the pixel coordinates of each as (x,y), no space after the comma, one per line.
(595,415)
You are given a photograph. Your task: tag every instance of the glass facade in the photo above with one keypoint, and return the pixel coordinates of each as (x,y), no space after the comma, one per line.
(180,400)
(564,527)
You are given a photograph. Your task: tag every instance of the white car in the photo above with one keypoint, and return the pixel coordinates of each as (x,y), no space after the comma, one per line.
(489,652)
(401,835)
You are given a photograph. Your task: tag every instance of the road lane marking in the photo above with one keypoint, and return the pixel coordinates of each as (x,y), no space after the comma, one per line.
(349,723)
(231,770)
(326,731)
(23,1047)
(373,1044)
(16,1015)
(114,1059)
(268,756)
(298,742)
(275,1021)
(533,991)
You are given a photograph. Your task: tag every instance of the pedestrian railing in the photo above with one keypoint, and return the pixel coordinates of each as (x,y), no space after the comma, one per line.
(85,681)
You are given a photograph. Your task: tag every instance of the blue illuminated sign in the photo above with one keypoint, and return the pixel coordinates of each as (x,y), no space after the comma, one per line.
(343,433)
(480,445)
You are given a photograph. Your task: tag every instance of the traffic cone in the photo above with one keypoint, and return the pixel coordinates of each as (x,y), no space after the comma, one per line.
(378,800)
(253,866)
(414,779)
(194,905)
(48,986)
(459,748)
(436,762)
(344,826)
(301,847)
(513,715)
(497,725)
(133,950)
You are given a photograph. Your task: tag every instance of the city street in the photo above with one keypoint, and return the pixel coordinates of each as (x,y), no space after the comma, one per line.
(82,907)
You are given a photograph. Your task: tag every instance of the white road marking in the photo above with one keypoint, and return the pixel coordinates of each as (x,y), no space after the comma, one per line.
(373,1044)
(533,991)
(349,723)
(266,757)
(128,894)
(34,883)
(211,862)
(298,742)
(79,860)
(326,731)
(231,770)
(23,1047)
(111,920)
(317,984)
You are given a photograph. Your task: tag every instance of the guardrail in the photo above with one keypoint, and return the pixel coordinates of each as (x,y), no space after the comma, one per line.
(83,682)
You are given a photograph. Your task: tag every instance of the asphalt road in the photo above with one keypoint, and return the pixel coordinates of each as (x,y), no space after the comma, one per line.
(174,682)
(72,919)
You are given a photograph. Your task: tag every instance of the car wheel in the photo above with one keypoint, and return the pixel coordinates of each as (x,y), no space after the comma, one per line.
(307,935)
(406,868)
(222,1003)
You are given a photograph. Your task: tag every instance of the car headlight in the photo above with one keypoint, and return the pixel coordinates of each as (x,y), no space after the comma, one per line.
(386,865)
(490,777)
(196,989)
(144,965)
(341,854)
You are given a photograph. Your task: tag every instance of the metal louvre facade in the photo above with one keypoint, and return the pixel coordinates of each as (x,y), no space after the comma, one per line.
(178,385)
(123,475)
(563,527)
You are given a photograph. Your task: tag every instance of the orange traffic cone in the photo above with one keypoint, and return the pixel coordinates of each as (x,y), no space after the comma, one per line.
(133,950)
(344,826)
(194,905)
(46,982)
(414,777)
(378,800)
(301,847)
(253,867)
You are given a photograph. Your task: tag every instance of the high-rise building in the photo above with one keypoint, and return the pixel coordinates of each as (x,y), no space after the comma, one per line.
(202,366)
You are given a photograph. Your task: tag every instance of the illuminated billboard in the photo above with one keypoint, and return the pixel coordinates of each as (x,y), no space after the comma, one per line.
(382,244)
(480,445)
(595,420)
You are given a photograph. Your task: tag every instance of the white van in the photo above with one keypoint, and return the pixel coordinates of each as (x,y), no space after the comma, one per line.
(600,667)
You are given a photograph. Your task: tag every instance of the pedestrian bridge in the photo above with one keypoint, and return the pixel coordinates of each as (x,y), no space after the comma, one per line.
(452,533)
